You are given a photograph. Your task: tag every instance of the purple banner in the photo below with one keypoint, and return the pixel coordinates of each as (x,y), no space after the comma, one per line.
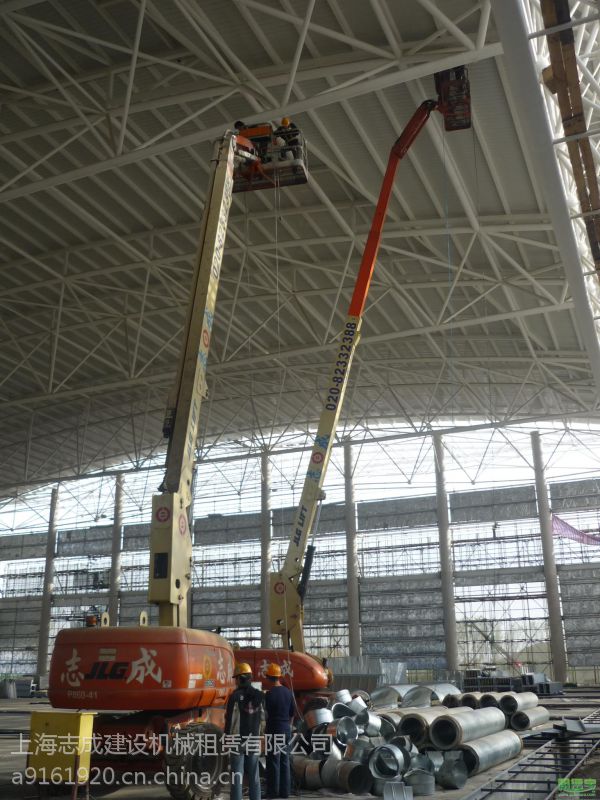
(566,531)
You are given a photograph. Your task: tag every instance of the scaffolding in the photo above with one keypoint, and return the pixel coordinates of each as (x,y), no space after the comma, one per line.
(502,617)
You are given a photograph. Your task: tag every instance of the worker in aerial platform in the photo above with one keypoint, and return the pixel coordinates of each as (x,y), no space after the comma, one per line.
(279,705)
(273,158)
(243,717)
(289,134)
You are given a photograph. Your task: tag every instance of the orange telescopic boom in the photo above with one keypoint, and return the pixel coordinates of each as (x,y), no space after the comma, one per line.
(288,586)
(398,151)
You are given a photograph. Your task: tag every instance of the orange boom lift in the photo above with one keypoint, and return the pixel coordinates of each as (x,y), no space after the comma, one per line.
(288,586)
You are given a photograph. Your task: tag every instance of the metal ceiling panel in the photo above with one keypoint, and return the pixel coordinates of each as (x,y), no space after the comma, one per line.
(105,149)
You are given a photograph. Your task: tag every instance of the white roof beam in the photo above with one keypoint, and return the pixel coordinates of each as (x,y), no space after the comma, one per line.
(294,108)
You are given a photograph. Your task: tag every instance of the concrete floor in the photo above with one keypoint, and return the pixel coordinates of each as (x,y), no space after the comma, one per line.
(15,717)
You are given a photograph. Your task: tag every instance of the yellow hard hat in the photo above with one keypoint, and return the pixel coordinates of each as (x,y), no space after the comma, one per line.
(242,669)
(285,121)
(274,671)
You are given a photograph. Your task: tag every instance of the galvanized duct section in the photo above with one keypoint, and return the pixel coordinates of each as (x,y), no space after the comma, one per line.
(452,700)
(369,721)
(299,764)
(393,717)
(440,690)
(417,724)
(354,778)
(405,743)
(388,761)
(393,790)
(523,720)
(481,754)
(422,761)
(329,773)
(419,696)
(436,758)
(472,699)
(317,716)
(312,774)
(359,750)
(453,773)
(422,782)
(491,700)
(512,702)
(342,730)
(356,705)
(380,787)
(387,729)
(339,710)
(450,731)
(390,695)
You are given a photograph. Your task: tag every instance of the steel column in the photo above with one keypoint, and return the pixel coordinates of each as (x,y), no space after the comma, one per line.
(446,563)
(266,534)
(557,639)
(115,563)
(46,613)
(354,648)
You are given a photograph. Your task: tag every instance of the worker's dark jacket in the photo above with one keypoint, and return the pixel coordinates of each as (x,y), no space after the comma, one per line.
(245,711)
(279,704)
(289,134)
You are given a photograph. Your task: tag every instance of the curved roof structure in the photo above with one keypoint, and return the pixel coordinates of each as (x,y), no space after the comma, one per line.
(483,303)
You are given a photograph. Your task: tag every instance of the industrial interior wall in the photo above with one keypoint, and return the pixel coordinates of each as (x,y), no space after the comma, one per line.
(400,598)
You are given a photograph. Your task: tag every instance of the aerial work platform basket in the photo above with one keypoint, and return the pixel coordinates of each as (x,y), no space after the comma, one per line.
(273,158)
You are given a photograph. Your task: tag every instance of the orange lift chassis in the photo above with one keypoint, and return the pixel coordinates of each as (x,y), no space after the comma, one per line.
(288,586)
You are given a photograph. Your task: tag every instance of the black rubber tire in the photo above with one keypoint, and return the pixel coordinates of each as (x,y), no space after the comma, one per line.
(181,765)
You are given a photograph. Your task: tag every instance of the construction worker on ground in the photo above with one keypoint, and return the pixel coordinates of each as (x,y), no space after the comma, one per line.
(243,718)
(279,705)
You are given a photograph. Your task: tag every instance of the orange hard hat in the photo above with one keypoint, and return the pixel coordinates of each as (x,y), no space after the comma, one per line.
(273,671)
(242,669)
(285,121)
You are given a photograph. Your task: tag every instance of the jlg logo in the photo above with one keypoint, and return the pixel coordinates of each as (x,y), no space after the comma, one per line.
(106,671)
(107,668)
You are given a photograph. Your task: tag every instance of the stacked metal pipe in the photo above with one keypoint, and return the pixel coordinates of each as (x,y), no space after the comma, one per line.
(417,723)
(530,718)
(449,731)
(491,699)
(390,750)
(471,699)
(452,700)
(511,702)
(489,751)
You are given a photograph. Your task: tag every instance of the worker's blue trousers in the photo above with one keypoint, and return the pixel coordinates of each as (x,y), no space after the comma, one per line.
(240,763)
(278,773)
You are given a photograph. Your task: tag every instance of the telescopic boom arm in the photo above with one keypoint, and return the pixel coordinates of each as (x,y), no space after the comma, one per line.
(170,535)
(240,163)
(286,602)
(288,586)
